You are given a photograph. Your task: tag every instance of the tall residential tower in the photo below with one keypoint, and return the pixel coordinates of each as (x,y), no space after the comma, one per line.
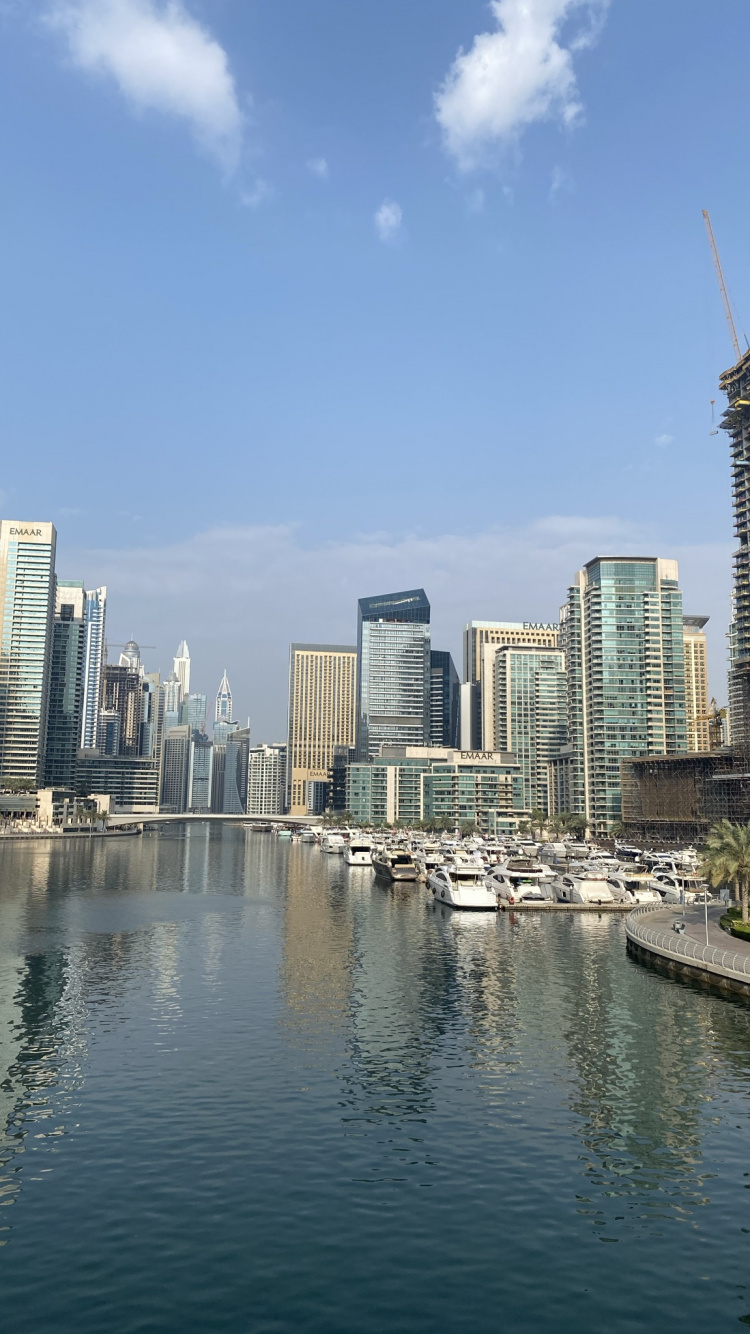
(621,631)
(27,603)
(322,701)
(393,672)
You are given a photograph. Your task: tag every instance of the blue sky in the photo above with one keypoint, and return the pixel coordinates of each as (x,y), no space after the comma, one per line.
(299,307)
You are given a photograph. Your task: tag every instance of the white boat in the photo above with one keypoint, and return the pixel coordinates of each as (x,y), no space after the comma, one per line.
(394,863)
(680,888)
(462,885)
(307,836)
(521,880)
(358,852)
(586,888)
(332,843)
(632,889)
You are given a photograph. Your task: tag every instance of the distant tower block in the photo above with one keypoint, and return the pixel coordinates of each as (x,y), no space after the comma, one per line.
(224,701)
(182,667)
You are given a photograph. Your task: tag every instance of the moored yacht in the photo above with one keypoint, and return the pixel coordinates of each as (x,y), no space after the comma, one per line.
(358,852)
(462,885)
(332,843)
(586,887)
(394,863)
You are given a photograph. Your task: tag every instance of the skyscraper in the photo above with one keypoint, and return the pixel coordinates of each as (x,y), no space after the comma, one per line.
(182,667)
(235,771)
(266,780)
(322,702)
(93,660)
(481,639)
(172,700)
(66,685)
(736,422)
(121,694)
(696,683)
(393,671)
(444,700)
(621,631)
(223,712)
(201,773)
(27,602)
(193,710)
(175,770)
(530,713)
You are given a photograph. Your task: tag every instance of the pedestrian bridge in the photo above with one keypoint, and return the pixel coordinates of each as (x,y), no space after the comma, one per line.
(291,821)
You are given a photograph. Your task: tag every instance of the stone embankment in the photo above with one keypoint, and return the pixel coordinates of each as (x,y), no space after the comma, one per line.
(702,951)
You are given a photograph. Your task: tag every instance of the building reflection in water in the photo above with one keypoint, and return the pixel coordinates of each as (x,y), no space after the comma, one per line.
(318,940)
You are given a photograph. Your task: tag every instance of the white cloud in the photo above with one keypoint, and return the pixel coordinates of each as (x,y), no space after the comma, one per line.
(519,73)
(317,166)
(241,595)
(560,183)
(663,440)
(162,59)
(388,220)
(261,193)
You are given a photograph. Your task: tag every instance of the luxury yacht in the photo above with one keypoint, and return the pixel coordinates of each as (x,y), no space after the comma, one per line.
(394,863)
(586,887)
(358,852)
(462,885)
(332,843)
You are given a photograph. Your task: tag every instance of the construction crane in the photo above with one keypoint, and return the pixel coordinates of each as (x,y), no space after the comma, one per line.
(715,719)
(722,285)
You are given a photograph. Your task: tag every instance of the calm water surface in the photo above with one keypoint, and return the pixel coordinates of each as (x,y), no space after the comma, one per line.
(245,1088)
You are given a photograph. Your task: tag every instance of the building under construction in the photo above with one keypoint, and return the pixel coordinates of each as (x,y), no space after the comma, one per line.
(736,422)
(676,798)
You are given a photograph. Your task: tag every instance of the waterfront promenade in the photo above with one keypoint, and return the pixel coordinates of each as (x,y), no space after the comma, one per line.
(702,951)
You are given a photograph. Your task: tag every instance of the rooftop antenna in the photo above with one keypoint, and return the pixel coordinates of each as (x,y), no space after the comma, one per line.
(722,286)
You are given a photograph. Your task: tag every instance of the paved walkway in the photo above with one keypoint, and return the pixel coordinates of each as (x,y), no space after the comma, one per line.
(723,956)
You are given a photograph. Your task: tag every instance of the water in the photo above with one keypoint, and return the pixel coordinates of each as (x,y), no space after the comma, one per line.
(243,1088)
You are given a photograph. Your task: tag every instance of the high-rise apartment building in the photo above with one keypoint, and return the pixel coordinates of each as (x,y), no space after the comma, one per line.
(27,603)
(621,632)
(322,704)
(481,639)
(223,712)
(444,700)
(93,663)
(696,683)
(235,771)
(182,667)
(172,701)
(121,693)
(152,716)
(530,703)
(393,671)
(175,770)
(266,780)
(193,710)
(200,774)
(736,422)
(65,685)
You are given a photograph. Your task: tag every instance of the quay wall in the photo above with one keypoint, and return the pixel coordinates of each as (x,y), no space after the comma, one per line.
(651,940)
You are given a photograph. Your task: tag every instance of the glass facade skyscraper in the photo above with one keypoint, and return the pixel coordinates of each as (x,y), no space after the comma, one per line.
(93,660)
(65,685)
(444,700)
(393,672)
(621,631)
(27,604)
(223,712)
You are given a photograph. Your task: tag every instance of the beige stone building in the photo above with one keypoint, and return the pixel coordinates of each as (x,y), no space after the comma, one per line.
(696,683)
(481,642)
(322,706)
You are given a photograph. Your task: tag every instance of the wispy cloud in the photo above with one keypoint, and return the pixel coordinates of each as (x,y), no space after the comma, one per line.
(663,440)
(519,73)
(388,220)
(162,59)
(259,588)
(317,166)
(260,193)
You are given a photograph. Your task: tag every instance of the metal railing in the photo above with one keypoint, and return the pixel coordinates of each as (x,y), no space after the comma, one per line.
(684,947)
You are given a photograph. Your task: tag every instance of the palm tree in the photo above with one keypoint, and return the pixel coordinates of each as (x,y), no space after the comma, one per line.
(538,821)
(726,859)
